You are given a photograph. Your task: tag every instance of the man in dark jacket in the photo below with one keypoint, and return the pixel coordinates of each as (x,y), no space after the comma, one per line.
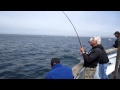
(103,64)
(116,41)
(59,71)
(92,59)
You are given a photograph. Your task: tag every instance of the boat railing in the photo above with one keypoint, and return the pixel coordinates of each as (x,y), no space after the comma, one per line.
(78,67)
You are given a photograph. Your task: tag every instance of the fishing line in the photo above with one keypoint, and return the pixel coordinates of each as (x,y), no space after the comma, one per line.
(74,29)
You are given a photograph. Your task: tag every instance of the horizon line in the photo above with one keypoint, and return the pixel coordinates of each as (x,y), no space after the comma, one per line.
(50,35)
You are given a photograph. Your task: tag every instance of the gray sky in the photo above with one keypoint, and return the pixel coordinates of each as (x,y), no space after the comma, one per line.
(87,23)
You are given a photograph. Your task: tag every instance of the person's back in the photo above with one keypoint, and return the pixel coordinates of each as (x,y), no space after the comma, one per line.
(103,64)
(104,57)
(60,71)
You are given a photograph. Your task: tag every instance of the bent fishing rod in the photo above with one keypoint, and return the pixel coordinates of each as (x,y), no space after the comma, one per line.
(74,29)
(77,37)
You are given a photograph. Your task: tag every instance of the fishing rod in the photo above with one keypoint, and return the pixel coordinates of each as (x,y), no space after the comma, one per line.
(74,29)
(77,37)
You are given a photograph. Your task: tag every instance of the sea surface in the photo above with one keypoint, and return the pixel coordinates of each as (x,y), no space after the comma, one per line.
(29,56)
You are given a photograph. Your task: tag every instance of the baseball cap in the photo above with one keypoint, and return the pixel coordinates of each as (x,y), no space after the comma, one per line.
(117,32)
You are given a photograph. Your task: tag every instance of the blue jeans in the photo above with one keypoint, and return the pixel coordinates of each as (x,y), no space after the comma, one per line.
(102,71)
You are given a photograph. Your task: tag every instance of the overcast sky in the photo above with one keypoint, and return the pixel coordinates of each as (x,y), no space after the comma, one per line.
(87,23)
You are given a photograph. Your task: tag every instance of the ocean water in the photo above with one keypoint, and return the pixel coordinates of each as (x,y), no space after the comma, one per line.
(29,56)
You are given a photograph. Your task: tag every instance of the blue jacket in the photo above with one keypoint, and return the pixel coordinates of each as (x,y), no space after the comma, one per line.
(60,72)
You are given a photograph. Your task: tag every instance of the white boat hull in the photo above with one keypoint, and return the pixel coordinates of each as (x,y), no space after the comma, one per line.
(112,60)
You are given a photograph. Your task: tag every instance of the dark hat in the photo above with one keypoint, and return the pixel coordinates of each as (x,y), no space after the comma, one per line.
(117,32)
